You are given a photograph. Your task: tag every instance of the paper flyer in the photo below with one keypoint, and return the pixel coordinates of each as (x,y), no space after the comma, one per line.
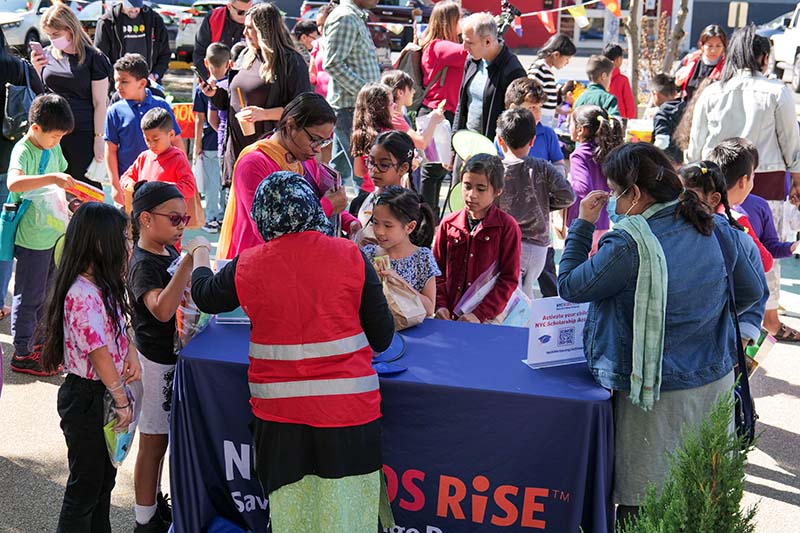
(555,336)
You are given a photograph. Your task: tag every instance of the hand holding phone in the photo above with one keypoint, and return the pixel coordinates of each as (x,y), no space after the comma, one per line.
(37,47)
(197,74)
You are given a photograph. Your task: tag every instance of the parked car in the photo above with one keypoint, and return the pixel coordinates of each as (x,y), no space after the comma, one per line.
(189,24)
(785,52)
(21,22)
(401,12)
(775,26)
(91,13)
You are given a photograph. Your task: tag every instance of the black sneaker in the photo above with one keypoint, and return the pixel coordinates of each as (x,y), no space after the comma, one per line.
(211,227)
(155,525)
(164,508)
(31,364)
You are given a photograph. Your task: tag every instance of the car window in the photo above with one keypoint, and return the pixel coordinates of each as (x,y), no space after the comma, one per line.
(794,19)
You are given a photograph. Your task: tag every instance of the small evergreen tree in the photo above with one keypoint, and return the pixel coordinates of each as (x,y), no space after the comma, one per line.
(703,490)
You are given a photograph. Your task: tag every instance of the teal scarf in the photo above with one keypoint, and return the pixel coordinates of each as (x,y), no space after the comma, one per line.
(649,308)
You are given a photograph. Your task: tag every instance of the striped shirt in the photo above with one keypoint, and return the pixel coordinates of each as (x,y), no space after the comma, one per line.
(541,72)
(350,57)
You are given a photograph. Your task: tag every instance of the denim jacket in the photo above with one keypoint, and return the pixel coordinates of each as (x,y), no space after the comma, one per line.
(699,344)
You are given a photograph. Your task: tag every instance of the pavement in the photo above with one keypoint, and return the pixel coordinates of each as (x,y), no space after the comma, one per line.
(33,466)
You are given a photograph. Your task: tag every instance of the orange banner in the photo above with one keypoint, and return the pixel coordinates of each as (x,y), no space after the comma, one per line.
(185,118)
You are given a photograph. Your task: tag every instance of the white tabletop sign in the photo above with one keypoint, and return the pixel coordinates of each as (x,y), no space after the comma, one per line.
(555,336)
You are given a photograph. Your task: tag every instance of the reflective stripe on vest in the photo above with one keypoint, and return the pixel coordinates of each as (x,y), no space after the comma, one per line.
(314,387)
(298,352)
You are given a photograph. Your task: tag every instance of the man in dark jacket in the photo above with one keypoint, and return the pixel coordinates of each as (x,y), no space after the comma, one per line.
(490,68)
(133,28)
(225,24)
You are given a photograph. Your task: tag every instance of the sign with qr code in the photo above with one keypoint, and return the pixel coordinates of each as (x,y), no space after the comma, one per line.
(556,332)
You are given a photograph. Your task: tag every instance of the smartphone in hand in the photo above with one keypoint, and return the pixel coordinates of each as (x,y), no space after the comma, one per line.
(198,75)
(37,47)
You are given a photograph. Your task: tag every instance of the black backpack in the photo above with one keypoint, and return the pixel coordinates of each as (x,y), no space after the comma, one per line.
(410,62)
(18,102)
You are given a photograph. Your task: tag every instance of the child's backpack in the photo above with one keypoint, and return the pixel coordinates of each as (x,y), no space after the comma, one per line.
(410,62)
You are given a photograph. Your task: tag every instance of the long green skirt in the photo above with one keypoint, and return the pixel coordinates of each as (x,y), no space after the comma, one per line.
(319,504)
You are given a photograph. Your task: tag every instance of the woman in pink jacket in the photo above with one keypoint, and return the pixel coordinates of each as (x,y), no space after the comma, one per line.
(440,49)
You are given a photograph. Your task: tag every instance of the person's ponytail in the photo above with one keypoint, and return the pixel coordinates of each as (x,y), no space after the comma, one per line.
(426,225)
(609,135)
(696,212)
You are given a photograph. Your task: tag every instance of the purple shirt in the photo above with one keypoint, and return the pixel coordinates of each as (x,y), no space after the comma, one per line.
(223,118)
(585,177)
(760,216)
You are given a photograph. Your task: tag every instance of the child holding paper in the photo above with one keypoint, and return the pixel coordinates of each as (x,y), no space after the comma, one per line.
(477,240)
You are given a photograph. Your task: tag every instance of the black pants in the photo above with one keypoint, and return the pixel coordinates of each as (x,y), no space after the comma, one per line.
(433,174)
(78,148)
(87,498)
(548,282)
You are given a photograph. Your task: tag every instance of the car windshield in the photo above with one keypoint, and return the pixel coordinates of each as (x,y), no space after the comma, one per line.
(15,5)
(778,21)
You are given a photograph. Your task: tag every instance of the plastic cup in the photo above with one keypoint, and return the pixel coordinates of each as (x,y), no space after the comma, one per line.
(248,128)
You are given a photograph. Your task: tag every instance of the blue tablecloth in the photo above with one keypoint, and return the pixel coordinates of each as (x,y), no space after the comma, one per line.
(473,439)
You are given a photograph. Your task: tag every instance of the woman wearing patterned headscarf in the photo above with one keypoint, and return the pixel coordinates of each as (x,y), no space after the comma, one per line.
(313,391)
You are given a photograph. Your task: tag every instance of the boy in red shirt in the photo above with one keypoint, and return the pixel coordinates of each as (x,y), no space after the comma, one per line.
(161,161)
(620,84)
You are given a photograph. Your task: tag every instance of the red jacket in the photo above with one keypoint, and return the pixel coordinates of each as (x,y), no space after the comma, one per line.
(688,66)
(172,166)
(766,258)
(310,361)
(463,257)
(435,56)
(621,88)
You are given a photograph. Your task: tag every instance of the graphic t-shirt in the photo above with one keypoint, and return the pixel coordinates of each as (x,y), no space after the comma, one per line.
(133,34)
(88,327)
(46,218)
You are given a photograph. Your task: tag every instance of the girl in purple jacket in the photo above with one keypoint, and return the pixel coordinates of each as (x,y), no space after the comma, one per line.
(596,134)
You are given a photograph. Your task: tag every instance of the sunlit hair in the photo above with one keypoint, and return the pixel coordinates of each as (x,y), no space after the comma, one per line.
(59,17)
(443,23)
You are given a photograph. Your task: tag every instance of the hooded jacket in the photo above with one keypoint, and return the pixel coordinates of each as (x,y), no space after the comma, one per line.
(108,38)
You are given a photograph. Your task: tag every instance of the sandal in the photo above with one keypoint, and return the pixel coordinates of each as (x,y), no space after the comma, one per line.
(787,334)
(4,312)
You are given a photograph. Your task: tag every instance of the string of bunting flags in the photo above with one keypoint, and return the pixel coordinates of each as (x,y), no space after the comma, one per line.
(578,12)
(545,16)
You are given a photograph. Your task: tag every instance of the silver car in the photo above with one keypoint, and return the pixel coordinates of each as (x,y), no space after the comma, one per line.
(21,21)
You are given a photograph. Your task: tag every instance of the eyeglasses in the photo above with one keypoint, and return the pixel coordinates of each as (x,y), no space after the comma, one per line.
(317,142)
(174,219)
(239,12)
(382,166)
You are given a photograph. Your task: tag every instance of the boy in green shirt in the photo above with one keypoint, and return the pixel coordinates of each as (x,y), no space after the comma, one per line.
(599,69)
(36,175)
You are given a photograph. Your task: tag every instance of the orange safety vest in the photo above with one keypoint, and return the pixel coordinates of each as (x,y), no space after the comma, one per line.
(310,361)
